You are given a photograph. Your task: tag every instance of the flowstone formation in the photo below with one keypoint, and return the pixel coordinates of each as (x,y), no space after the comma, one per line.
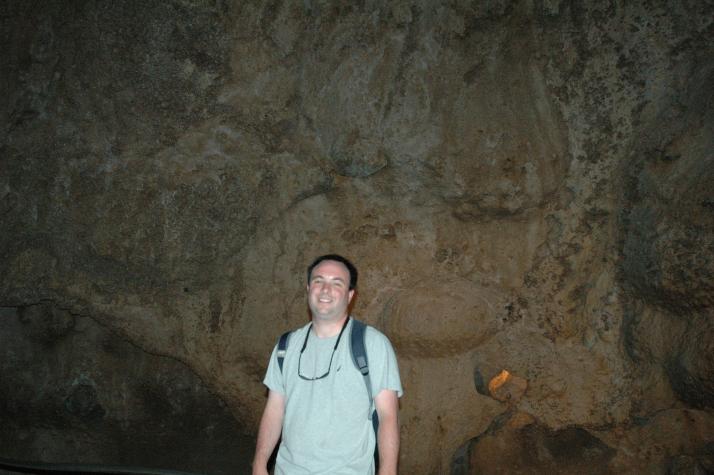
(524,186)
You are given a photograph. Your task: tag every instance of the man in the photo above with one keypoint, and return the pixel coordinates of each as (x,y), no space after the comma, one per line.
(319,401)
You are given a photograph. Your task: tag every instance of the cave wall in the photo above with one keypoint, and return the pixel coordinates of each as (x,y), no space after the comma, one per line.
(524,186)
(75,392)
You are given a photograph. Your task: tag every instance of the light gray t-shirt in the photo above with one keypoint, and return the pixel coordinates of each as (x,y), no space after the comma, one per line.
(327,427)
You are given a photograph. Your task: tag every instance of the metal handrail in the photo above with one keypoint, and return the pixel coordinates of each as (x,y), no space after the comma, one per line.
(69,468)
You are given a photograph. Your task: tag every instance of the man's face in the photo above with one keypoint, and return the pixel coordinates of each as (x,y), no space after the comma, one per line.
(328,294)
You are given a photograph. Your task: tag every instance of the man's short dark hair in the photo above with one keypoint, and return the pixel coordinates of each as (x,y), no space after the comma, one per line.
(337,258)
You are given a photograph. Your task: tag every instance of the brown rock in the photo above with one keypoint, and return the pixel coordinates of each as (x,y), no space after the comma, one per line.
(506,387)
(525,446)
(523,186)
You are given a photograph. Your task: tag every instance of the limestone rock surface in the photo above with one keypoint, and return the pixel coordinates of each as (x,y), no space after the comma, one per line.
(524,186)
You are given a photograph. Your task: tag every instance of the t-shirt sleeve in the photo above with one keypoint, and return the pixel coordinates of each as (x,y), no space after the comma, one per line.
(383,367)
(273,376)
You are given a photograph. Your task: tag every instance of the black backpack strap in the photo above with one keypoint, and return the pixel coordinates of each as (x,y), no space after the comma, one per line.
(359,355)
(282,349)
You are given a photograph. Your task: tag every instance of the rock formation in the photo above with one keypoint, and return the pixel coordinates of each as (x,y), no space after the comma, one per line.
(524,186)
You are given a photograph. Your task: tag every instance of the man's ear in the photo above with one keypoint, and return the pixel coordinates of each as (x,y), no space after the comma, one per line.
(351,294)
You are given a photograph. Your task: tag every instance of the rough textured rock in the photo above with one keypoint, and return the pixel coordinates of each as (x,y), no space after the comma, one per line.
(525,186)
(73,391)
(506,387)
(520,445)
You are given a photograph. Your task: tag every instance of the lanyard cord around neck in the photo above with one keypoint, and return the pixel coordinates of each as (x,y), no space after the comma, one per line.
(344,325)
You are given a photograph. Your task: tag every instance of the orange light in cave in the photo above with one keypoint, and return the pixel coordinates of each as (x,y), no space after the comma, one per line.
(498,381)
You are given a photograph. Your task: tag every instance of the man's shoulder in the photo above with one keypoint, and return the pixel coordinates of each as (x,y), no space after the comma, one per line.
(373,332)
(374,337)
(295,332)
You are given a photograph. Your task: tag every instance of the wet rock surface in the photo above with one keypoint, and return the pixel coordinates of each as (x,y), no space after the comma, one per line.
(525,187)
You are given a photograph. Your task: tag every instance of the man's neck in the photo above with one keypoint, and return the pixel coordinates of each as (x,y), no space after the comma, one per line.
(326,328)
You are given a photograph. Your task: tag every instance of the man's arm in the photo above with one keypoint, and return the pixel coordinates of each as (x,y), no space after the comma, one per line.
(387,404)
(271,425)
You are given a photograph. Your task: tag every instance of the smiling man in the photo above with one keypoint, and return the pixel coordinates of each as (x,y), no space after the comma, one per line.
(316,394)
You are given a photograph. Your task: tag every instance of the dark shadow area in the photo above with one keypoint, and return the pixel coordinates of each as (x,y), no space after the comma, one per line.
(74,392)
